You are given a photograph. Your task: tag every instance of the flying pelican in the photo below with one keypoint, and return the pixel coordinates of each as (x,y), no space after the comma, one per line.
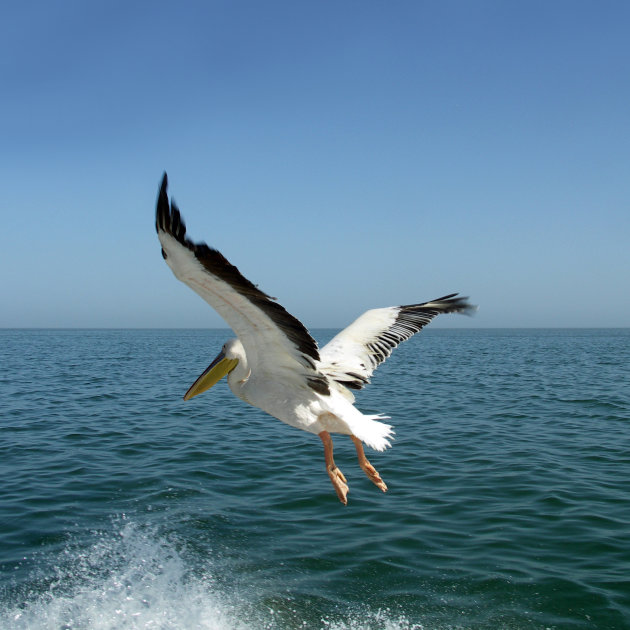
(275,364)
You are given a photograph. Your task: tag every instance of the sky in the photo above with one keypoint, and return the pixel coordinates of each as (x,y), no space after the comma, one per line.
(344,155)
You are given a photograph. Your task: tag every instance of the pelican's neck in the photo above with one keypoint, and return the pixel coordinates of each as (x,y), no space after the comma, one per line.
(240,373)
(237,378)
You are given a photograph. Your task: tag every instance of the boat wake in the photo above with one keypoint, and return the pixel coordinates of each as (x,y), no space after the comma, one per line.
(134,577)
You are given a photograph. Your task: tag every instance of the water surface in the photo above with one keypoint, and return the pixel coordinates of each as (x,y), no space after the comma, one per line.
(122,506)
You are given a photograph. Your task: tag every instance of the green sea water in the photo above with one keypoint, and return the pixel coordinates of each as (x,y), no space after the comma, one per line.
(122,506)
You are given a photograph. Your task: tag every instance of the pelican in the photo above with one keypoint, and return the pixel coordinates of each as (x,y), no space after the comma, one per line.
(276,365)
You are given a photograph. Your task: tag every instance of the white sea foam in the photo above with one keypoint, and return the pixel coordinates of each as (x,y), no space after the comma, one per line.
(134,578)
(130,579)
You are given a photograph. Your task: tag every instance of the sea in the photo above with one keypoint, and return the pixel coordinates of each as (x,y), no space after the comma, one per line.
(122,506)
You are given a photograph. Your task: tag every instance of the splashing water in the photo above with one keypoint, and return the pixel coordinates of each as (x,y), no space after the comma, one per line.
(134,578)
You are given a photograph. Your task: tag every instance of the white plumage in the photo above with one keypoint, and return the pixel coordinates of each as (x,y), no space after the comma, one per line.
(275,364)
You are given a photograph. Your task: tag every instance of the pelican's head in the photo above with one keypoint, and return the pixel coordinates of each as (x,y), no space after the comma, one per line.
(222,365)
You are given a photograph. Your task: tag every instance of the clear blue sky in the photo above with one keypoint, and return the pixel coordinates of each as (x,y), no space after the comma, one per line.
(344,155)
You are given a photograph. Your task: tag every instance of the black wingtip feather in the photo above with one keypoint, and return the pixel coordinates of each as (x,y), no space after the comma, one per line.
(447,304)
(162,210)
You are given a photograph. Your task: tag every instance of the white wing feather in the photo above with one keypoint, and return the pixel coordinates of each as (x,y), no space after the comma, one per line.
(351,357)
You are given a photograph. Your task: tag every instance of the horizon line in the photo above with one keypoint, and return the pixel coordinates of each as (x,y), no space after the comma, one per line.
(227,328)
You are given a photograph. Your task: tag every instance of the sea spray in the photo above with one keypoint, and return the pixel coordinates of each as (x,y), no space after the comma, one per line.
(127,578)
(132,577)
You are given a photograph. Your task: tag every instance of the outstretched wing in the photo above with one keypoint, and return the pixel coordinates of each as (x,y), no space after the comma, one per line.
(273,339)
(351,356)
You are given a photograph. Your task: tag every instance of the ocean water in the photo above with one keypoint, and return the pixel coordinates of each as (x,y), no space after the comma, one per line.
(122,506)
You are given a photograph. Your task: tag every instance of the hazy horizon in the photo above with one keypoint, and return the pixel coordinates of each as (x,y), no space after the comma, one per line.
(315,329)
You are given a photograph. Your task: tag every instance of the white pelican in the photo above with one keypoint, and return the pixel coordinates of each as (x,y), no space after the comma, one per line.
(275,364)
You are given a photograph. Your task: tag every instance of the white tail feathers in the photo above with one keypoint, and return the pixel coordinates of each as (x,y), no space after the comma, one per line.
(374,433)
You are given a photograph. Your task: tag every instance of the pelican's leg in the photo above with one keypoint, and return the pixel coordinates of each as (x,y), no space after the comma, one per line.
(336,476)
(367,468)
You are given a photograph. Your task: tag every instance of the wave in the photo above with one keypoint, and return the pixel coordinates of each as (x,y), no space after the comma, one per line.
(135,578)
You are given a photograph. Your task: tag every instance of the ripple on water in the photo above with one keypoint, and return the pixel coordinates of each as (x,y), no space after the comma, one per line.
(507,505)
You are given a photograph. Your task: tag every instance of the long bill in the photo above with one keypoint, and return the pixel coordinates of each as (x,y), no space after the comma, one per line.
(212,375)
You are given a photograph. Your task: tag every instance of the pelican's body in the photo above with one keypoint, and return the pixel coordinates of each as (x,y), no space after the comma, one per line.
(275,364)
(302,407)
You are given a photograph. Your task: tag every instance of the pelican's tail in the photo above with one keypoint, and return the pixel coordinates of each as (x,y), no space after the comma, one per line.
(374,433)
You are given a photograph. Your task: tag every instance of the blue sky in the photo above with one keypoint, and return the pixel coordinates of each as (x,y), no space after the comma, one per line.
(344,155)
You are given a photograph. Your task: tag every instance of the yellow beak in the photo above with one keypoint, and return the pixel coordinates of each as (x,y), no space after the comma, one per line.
(212,375)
